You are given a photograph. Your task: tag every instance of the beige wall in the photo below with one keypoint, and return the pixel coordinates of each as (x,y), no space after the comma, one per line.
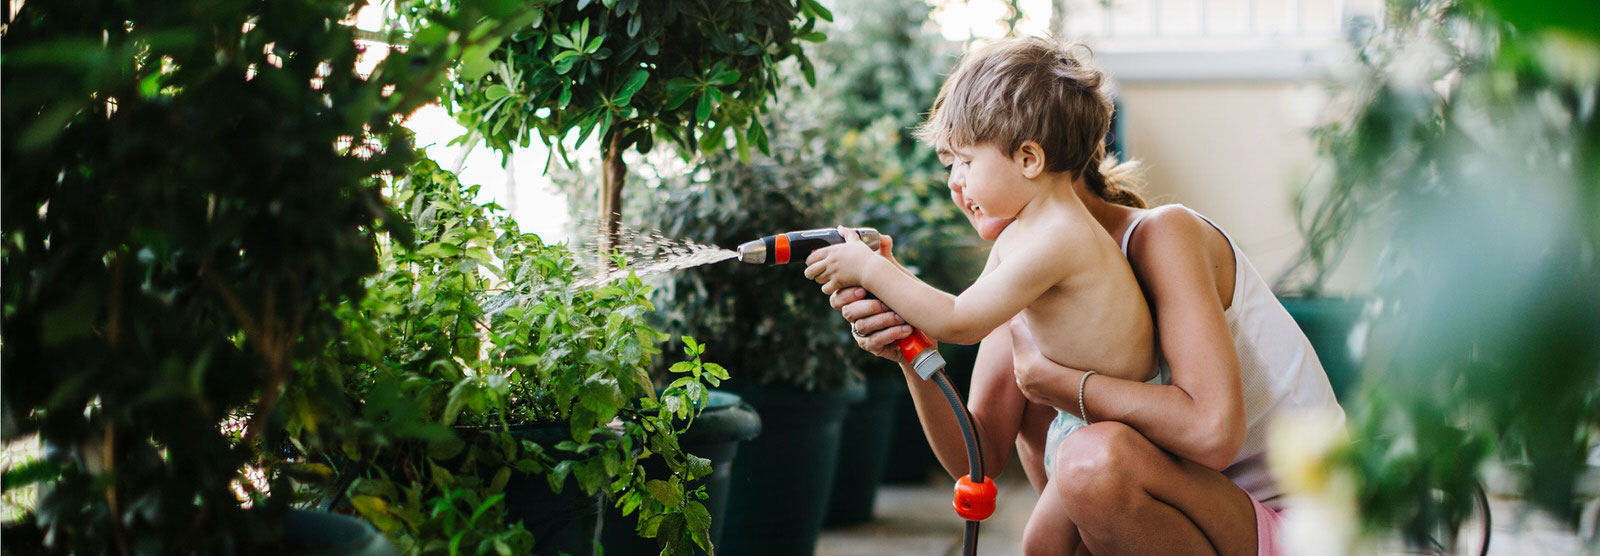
(1235,152)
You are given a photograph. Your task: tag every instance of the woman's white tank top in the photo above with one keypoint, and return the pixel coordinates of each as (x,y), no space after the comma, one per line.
(1280,371)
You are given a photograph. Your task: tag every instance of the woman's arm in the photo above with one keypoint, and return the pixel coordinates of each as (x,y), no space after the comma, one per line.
(1200,417)
(997,407)
(994,402)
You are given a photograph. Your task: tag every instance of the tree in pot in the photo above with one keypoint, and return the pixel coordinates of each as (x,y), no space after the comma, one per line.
(188,189)
(632,72)
(1471,148)
(503,402)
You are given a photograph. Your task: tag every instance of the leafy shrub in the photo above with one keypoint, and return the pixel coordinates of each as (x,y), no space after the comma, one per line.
(1472,147)
(189,188)
(479,327)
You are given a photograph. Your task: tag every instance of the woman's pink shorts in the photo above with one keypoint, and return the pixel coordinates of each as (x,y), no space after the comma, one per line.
(1268,528)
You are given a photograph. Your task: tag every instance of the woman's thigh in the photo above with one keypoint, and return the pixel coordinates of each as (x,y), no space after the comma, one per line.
(1128,496)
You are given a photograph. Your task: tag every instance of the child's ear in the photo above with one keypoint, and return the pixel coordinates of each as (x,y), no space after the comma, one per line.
(1030,159)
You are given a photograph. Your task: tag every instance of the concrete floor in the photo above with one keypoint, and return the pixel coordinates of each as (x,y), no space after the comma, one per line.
(917,520)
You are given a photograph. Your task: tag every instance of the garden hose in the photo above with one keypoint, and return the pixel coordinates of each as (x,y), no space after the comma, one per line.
(975,494)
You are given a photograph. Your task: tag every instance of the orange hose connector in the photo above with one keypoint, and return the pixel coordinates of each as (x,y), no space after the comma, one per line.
(974,501)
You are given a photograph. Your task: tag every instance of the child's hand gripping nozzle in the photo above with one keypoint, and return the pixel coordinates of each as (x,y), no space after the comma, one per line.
(974,492)
(917,349)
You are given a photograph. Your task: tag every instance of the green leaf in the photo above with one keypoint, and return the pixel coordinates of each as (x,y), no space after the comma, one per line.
(631,86)
(496,92)
(725,78)
(758,135)
(717,370)
(667,494)
(817,8)
(743,147)
(699,522)
(814,36)
(634,23)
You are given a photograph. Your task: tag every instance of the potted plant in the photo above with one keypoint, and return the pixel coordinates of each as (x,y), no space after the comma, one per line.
(503,402)
(189,189)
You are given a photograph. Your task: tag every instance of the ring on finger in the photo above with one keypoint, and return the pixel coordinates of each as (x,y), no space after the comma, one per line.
(856,331)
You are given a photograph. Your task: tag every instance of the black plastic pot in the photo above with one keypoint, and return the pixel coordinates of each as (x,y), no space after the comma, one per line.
(564,523)
(305,532)
(314,533)
(715,435)
(782,479)
(864,450)
(1329,322)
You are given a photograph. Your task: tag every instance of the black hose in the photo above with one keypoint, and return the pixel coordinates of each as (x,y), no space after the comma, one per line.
(969,540)
(974,450)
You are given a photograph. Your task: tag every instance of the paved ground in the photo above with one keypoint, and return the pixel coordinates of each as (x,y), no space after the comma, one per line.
(916,520)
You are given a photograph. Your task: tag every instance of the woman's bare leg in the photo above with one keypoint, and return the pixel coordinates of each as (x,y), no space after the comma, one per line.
(1126,496)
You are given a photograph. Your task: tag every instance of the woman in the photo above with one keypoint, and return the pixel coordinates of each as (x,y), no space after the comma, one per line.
(1162,469)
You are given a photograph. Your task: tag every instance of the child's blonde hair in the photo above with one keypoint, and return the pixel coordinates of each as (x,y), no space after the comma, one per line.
(1035,89)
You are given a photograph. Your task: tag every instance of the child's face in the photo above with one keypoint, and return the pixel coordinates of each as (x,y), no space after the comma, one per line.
(986,184)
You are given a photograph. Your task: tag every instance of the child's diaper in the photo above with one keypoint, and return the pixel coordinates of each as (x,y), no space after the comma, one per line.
(1066,423)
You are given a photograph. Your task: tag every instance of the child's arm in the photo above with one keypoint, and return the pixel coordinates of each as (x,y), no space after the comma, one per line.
(1000,293)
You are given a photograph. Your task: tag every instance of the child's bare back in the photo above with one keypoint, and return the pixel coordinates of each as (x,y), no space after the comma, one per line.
(1094,317)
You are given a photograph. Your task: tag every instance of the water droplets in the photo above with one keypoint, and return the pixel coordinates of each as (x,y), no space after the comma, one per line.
(648,252)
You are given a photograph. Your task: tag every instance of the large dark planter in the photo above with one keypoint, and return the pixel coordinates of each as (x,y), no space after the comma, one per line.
(911,460)
(1329,322)
(782,479)
(305,532)
(564,523)
(864,450)
(314,533)
(715,435)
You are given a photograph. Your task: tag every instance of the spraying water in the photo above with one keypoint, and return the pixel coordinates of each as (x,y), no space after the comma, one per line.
(648,252)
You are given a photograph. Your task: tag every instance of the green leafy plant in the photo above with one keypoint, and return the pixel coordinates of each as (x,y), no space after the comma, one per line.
(189,188)
(693,73)
(479,328)
(1473,149)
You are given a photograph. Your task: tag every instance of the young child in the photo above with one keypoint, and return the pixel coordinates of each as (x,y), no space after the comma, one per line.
(1018,123)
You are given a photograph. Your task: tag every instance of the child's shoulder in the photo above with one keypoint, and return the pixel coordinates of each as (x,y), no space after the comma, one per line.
(1052,235)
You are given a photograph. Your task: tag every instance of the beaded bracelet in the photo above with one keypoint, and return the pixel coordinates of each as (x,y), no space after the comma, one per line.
(1081,411)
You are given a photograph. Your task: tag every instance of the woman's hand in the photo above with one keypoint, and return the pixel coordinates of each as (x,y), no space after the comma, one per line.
(874,326)
(1038,377)
(1027,362)
(840,266)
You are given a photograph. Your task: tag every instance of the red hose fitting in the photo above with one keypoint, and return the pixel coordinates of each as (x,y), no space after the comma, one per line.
(974,501)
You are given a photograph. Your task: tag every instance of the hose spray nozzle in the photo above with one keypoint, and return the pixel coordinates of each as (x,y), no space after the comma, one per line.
(790,247)
(796,246)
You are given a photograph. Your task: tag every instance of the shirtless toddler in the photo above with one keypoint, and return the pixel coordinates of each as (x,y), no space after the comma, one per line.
(1018,124)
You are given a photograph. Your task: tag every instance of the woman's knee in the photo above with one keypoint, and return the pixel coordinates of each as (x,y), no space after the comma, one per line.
(1097,466)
